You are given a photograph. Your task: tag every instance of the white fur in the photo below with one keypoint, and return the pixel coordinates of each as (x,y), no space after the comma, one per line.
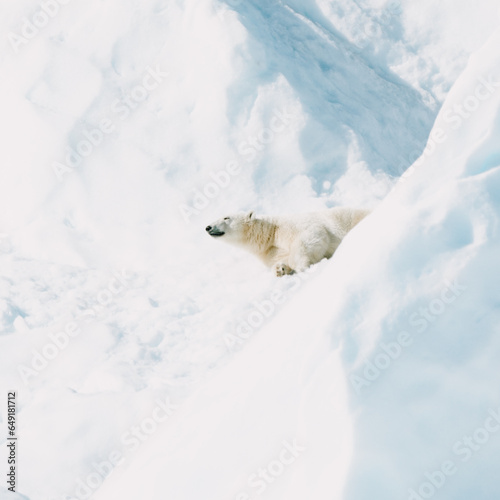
(291,243)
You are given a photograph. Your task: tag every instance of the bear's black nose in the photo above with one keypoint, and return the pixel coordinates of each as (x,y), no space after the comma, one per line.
(208,228)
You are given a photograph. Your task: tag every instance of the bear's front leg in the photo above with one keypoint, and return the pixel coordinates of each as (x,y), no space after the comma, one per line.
(282,269)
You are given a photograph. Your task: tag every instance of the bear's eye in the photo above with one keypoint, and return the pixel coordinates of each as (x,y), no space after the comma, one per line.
(226,218)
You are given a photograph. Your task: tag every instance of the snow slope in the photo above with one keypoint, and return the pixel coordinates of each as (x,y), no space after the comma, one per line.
(385,375)
(118,118)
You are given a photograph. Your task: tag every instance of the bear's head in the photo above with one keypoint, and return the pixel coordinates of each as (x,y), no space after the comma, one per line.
(231,228)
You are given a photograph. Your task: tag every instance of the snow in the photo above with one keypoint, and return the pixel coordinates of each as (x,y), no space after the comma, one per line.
(150,361)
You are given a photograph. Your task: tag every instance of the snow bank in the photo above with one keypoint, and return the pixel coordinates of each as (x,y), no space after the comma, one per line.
(127,127)
(383,368)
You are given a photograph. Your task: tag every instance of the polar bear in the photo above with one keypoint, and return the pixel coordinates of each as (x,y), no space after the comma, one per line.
(289,244)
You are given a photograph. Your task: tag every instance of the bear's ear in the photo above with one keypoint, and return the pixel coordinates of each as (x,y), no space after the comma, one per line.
(250,215)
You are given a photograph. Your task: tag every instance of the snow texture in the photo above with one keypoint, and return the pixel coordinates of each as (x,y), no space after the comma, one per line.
(150,361)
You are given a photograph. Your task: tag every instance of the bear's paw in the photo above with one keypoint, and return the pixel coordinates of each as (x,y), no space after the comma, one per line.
(282,269)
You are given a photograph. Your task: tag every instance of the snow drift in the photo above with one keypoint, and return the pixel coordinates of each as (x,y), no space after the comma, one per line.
(383,368)
(150,362)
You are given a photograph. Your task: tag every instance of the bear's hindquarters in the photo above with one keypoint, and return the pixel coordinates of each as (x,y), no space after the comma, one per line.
(317,244)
